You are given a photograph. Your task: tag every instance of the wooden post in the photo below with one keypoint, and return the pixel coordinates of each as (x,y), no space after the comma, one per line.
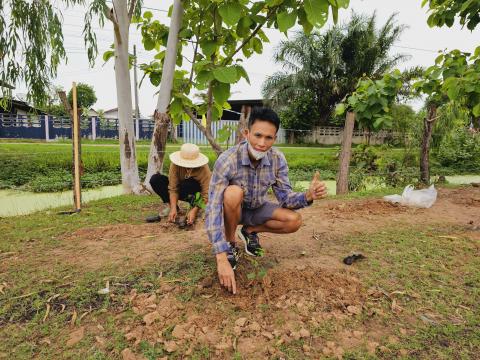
(77,194)
(344,162)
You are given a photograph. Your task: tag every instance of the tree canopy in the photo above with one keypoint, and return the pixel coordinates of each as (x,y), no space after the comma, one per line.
(444,12)
(327,66)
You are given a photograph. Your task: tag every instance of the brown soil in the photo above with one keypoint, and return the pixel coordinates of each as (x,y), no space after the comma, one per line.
(93,248)
(307,287)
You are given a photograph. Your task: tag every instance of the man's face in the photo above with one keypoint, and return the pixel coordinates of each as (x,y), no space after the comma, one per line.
(261,135)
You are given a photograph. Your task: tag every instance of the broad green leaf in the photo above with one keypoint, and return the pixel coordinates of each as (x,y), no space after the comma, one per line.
(230,12)
(286,21)
(476,110)
(221,92)
(242,73)
(317,11)
(147,15)
(176,106)
(226,74)
(208,47)
(243,27)
(257,45)
(148,43)
(340,109)
(302,20)
(203,78)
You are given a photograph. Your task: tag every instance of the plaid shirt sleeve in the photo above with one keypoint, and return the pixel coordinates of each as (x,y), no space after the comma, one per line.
(283,190)
(214,221)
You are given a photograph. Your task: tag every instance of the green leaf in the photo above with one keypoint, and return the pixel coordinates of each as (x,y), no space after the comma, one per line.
(340,109)
(257,45)
(230,12)
(302,20)
(476,110)
(242,73)
(243,27)
(148,43)
(286,21)
(226,74)
(317,11)
(208,47)
(107,55)
(176,106)
(147,15)
(221,92)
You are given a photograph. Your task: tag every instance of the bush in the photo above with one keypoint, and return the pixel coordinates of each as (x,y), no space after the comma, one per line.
(460,150)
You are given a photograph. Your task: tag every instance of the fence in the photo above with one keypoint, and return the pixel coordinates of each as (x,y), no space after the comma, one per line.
(330,135)
(190,132)
(50,128)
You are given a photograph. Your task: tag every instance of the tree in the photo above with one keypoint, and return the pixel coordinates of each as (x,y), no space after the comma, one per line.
(327,66)
(443,12)
(31,47)
(219,32)
(120,15)
(455,77)
(370,106)
(85,96)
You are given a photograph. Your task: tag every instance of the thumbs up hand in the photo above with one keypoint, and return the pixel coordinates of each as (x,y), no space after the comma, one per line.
(317,189)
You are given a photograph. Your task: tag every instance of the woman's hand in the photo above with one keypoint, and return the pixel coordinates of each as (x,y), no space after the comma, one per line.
(172,215)
(192,215)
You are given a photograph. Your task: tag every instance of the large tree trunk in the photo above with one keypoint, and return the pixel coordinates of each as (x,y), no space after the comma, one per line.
(162,120)
(126,135)
(345,153)
(428,123)
(242,123)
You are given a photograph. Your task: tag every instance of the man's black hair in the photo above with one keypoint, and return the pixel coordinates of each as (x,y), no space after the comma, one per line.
(263,114)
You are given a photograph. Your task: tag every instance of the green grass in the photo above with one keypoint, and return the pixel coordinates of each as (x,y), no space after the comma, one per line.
(433,267)
(432,274)
(45,167)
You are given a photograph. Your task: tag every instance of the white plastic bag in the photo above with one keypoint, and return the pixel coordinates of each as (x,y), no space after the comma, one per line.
(424,198)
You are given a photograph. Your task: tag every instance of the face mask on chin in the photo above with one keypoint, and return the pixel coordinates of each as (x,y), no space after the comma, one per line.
(258,155)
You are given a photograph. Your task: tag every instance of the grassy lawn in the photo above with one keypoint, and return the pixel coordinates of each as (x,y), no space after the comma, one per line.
(44,167)
(420,282)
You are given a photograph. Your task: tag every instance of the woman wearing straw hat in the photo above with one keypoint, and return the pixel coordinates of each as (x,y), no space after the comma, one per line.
(189,174)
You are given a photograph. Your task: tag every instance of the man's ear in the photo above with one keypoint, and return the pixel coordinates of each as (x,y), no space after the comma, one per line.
(245,132)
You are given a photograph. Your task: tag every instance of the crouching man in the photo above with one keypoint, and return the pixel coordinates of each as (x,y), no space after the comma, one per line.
(238,189)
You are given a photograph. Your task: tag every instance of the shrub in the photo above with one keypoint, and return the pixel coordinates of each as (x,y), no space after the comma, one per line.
(460,150)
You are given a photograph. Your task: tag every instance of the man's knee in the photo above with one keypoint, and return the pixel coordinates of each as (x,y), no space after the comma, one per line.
(294,221)
(233,196)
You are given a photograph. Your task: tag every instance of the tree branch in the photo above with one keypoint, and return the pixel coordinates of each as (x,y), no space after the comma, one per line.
(209,105)
(133,3)
(257,29)
(194,119)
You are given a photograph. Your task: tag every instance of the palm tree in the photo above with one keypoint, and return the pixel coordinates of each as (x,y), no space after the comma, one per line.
(327,66)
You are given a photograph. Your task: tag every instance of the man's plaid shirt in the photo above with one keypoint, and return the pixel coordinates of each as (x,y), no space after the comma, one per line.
(233,167)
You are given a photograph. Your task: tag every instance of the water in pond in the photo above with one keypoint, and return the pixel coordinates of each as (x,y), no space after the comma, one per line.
(20,203)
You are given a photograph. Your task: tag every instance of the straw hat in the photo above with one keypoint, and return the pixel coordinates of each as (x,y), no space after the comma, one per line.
(189,156)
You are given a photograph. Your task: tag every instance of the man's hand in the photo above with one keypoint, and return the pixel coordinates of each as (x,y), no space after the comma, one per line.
(225,273)
(317,189)
(192,215)
(172,215)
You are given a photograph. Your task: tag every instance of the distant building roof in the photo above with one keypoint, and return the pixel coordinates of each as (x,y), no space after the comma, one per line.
(13,106)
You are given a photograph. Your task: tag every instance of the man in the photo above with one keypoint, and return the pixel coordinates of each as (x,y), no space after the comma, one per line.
(189,174)
(238,189)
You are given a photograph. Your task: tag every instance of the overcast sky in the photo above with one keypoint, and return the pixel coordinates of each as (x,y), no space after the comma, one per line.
(418,40)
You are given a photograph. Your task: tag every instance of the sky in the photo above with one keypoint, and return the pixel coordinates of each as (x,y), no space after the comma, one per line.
(418,40)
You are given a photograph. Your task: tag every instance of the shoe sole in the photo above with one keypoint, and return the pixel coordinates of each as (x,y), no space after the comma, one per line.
(240,235)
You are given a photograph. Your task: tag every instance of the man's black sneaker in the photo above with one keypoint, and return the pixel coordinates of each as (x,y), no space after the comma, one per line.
(251,241)
(232,257)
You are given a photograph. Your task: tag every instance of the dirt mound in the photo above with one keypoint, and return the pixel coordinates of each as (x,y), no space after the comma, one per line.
(281,307)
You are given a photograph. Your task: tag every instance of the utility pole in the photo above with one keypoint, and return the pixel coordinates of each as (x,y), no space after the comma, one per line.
(137,108)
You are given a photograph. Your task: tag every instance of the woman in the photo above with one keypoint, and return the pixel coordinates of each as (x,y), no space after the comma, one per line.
(189,174)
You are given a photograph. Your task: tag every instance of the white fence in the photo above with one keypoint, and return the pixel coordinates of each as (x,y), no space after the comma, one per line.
(192,134)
